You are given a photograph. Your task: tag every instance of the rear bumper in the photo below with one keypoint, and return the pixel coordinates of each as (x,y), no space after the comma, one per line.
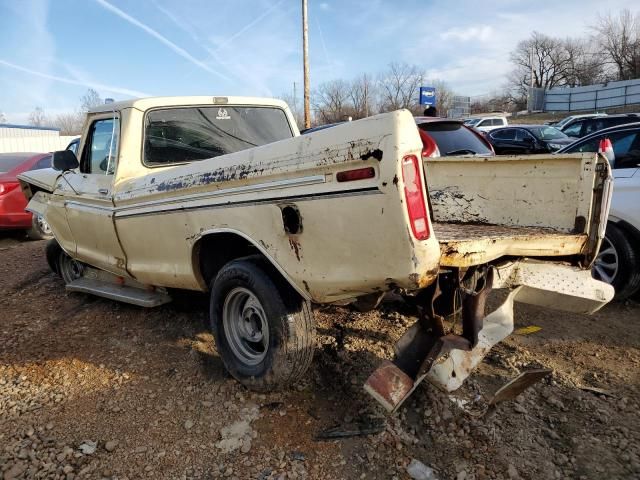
(15,221)
(450,361)
(560,287)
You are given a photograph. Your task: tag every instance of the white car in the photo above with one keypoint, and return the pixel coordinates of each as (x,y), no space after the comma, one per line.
(618,261)
(486,124)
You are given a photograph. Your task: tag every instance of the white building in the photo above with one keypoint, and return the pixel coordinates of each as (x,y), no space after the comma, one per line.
(26,138)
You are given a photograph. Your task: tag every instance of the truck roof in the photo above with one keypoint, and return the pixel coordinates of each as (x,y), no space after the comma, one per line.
(143,104)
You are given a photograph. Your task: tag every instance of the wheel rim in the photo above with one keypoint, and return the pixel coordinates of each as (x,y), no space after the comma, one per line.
(70,269)
(43,226)
(605,267)
(245,326)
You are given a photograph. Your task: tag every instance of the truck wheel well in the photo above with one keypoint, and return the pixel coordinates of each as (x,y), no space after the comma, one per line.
(214,251)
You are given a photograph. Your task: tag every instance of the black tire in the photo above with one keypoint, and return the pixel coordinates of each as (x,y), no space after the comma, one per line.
(286,317)
(617,247)
(68,268)
(40,229)
(53,252)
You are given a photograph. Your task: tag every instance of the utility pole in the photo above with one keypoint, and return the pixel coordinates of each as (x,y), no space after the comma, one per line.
(305,54)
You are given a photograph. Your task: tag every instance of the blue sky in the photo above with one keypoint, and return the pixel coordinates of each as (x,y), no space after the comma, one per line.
(53,50)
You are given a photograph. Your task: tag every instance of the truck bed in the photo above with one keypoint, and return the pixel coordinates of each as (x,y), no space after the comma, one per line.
(466,244)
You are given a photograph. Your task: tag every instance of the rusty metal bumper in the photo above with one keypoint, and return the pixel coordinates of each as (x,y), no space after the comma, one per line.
(557,286)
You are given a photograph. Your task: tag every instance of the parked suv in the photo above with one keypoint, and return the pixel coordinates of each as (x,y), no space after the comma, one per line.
(581,127)
(618,262)
(486,124)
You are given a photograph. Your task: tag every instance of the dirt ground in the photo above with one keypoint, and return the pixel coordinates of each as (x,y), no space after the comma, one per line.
(90,388)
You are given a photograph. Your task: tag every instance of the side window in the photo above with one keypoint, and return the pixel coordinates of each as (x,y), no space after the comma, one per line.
(522,135)
(573,130)
(506,134)
(101,149)
(593,125)
(626,148)
(497,122)
(42,163)
(485,123)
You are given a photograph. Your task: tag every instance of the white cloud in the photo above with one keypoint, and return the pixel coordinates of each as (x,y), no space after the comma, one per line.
(481,33)
(71,81)
(150,31)
(324,6)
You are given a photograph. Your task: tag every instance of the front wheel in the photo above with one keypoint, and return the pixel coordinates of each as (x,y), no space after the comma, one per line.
(264,331)
(618,263)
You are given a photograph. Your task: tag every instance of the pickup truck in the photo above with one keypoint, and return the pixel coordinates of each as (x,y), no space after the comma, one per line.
(222,195)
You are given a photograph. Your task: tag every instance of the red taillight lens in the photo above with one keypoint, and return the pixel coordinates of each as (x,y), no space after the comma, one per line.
(430,148)
(358,174)
(416,205)
(7,187)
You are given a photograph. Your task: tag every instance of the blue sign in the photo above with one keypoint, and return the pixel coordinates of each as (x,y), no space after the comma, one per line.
(428,96)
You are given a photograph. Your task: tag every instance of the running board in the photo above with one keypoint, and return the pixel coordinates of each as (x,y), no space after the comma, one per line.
(121,293)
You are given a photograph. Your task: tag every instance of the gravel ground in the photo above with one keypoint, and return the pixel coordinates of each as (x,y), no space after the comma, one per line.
(90,388)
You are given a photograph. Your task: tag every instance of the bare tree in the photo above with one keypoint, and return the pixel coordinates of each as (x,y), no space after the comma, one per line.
(362,96)
(444,96)
(89,100)
(331,102)
(37,118)
(69,123)
(618,38)
(399,87)
(295,105)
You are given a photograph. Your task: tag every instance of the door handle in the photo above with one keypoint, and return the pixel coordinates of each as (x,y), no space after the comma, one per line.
(103,191)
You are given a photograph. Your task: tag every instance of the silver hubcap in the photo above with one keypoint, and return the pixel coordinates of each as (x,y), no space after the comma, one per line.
(605,267)
(43,225)
(245,326)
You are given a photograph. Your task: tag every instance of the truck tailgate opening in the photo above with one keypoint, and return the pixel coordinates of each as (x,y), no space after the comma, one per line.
(484,208)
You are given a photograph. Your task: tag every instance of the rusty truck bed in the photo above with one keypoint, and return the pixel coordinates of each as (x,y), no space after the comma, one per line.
(466,244)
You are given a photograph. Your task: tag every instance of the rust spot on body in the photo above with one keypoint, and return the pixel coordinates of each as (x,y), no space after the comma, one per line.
(295,246)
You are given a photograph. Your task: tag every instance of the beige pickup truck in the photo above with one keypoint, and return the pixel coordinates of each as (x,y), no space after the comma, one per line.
(222,195)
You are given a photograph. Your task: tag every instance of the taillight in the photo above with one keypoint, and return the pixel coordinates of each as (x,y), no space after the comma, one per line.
(416,205)
(357,174)
(430,148)
(7,187)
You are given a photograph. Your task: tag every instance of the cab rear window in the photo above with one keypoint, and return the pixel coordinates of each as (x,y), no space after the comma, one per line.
(181,135)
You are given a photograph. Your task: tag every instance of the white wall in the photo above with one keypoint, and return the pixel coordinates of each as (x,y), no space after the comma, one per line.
(31,140)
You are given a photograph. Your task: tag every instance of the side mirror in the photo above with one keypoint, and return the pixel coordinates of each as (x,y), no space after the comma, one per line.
(65,160)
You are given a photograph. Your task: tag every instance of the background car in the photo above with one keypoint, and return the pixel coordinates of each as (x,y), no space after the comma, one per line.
(618,261)
(581,127)
(566,120)
(523,139)
(486,124)
(443,137)
(13,202)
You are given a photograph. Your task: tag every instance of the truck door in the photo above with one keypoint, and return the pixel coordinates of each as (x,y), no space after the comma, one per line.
(89,198)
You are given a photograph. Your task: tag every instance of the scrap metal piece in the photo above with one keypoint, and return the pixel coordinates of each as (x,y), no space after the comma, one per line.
(389,385)
(515,387)
(451,370)
(347,432)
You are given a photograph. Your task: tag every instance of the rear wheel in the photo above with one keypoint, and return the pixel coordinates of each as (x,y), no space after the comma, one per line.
(618,263)
(264,331)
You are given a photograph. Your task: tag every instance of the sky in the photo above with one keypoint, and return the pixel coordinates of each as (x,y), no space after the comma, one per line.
(52,51)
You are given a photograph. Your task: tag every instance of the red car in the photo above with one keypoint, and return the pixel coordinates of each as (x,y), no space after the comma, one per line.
(12,201)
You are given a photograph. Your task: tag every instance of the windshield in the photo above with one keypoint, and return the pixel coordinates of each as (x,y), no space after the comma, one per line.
(471,122)
(548,133)
(453,138)
(9,161)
